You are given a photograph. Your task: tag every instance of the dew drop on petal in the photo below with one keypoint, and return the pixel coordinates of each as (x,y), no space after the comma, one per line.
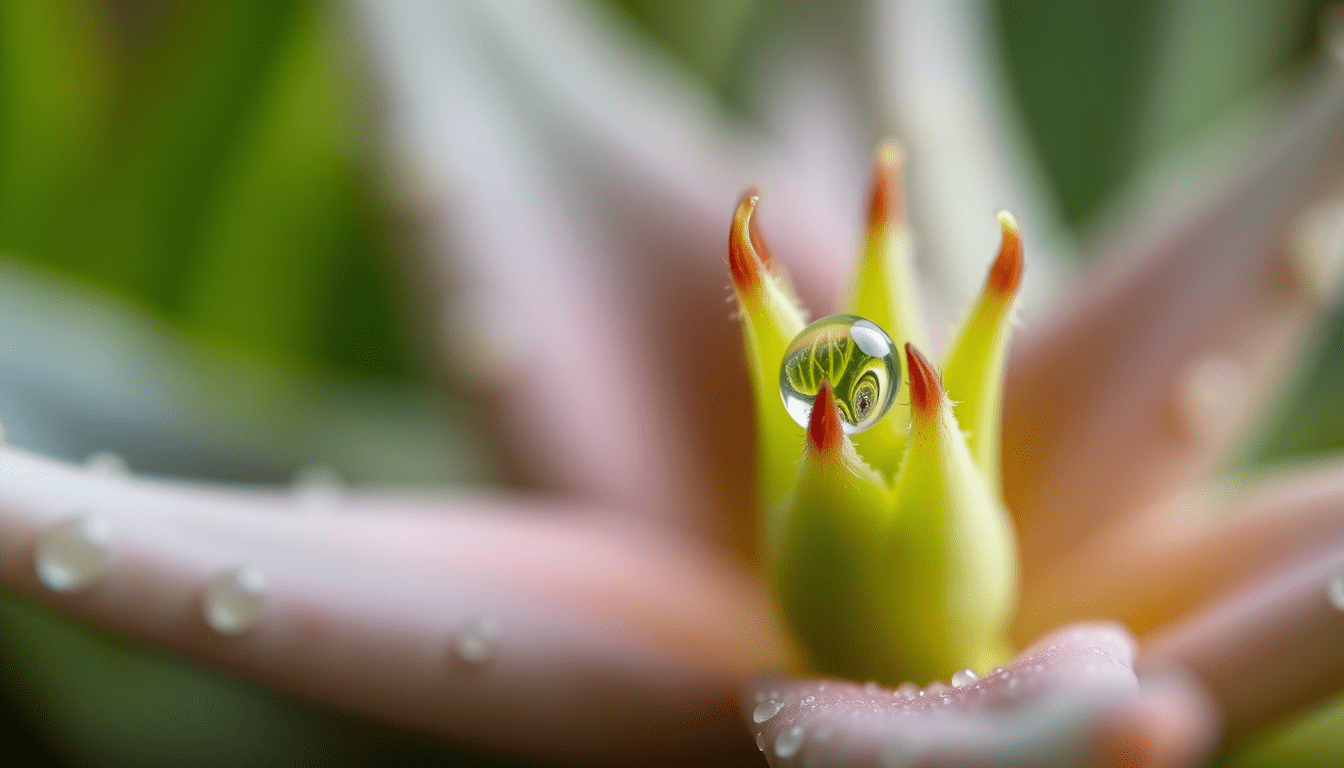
(1336,590)
(74,553)
(996,670)
(107,463)
(476,641)
(318,488)
(760,741)
(789,742)
(766,710)
(236,600)
(964,678)
(872,688)
(859,360)
(908,690)
(937,686)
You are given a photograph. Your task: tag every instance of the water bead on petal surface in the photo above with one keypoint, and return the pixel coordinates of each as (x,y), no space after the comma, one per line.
(859,360)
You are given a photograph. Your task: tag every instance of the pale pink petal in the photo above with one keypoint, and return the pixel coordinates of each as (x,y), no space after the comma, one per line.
(1150,569)
(1146,381)
(1268,650)
(543,633)
(1070,699)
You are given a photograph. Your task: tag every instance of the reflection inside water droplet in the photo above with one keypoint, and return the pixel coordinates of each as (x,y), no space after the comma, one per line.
(789,742)
(74,553)
(477,640)
(235,601)
(766,710)
(855,356)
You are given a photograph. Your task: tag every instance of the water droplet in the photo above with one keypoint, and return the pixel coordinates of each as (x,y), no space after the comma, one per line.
(996,670)
(760,741)
(964,678)
(908,690)
(766,710)
(872,688)
(937,686)
(235,601)
(789,742)
(476,642)
(107,463)
(809,699)
(74,553)
(1336,590)
(318,488)
(856,356)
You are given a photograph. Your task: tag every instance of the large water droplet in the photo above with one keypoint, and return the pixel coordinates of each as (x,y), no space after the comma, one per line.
(766,710)
(855,356)
(476,641)
(235,601)
(964,677)
(789,742)
(760,741)
(1336,590)
(107,463)
(74,553)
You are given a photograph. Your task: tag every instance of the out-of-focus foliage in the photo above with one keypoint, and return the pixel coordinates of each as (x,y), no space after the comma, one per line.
(208,164)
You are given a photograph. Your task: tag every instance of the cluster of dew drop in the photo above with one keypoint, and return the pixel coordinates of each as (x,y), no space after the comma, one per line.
(77,552)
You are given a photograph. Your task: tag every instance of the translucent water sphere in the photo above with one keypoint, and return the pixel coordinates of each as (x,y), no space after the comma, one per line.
(856,356)
(236,600)
(74,554)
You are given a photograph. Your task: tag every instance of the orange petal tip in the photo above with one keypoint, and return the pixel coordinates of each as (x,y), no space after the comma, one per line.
(824,432)
(747,252)
(926,390)
(1006,274)
(884,207)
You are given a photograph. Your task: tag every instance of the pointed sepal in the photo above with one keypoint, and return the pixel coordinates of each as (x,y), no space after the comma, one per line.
(771,318)
(828,569)
(979,351)
(884,292)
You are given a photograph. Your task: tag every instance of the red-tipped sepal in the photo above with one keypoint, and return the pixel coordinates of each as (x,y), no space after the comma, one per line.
(978,354)
(926,390)
(825,435)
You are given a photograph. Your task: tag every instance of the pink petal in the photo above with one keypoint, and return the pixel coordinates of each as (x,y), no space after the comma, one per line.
(1070,698)
(583,642)
(1149,570)
(1150,377)
(1265,651)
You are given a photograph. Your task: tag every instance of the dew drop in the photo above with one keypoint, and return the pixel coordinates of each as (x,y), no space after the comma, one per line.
(996,670)
(789,742)
(766,710)
(809,699)
(235,601)
(908,690)
(964,678)
(856,356)
(760,741)
(476,641)
(74,553)
(872,688)
(318,488)
(1336,590)
(107,464)
(937,686)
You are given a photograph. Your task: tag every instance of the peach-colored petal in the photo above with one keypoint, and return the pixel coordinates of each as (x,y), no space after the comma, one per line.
(1144,383)
(1268,650)
(1147,570)
(1071,698)
(546,634)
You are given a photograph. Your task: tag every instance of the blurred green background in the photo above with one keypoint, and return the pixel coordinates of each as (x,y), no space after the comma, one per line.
(196,181)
